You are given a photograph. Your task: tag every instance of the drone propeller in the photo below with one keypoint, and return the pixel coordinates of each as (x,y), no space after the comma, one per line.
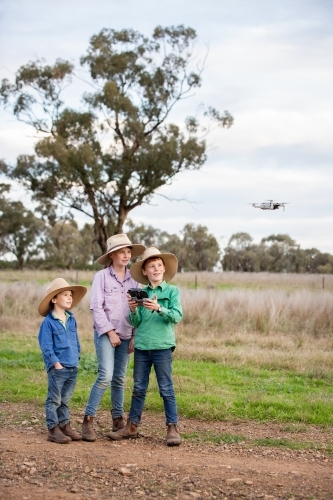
(279,202)
(283,203)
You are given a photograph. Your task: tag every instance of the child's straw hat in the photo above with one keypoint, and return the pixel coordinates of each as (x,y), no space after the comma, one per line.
(116,242)
(170,263)
(60,285)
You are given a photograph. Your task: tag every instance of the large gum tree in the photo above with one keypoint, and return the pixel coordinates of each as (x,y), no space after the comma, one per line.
(112,154)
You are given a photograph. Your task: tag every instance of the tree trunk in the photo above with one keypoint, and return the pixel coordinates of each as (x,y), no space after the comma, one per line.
(100,234)
(20,262)
(122,216)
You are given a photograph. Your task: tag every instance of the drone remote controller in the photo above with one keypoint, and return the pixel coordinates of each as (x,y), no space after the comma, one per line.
(138,295)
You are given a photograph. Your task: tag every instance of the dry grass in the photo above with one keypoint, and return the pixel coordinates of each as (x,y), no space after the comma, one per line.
(273,329)
(257,281)
(228,280)
(262,320)
(18,309)
(276,321)
(44,277)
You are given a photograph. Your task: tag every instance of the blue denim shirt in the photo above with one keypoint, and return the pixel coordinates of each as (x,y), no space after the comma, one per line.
(59,343)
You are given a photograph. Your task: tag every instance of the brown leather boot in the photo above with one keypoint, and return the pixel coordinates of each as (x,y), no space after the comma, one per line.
(130,431)
(56,436)
(88,433)
(173,438)
(68,431)
(118,423)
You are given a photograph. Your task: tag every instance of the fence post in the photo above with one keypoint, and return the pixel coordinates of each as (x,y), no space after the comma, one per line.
(323,282)
(196,282)
(77,277)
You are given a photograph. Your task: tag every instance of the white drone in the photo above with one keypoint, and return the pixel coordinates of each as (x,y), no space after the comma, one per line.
(270,205)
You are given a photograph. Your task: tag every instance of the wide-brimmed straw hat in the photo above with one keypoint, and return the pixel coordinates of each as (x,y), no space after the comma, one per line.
(60,285)
(170,263)
(116,242)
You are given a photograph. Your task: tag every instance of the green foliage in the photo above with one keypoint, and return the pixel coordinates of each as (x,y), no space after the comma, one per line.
(20,230)
(137,81)
(41,84)
(66,246)
(201,248)
(195,247)
(275,253)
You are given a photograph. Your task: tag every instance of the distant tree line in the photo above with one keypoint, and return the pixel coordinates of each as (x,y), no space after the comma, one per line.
(276,253)
(44,241)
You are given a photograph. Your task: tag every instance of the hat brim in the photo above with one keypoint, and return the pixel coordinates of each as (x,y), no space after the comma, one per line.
(78,292)
(104,260)
(170,263)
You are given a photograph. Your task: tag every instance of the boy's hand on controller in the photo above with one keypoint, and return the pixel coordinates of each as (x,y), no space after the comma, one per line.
(132,304)
(151,304)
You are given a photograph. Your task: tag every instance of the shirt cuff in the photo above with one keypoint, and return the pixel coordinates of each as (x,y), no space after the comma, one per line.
(104,329)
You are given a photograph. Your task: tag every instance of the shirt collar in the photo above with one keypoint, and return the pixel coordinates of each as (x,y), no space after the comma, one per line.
(161,286)
(67,314)
(112,272)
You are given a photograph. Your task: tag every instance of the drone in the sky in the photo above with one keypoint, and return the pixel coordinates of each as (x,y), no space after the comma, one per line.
(270,205)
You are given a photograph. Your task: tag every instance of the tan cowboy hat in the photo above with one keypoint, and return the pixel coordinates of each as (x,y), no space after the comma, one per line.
(170,263)
(116,242)
(60,285)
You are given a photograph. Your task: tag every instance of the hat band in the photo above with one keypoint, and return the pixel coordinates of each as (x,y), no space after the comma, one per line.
(122,245)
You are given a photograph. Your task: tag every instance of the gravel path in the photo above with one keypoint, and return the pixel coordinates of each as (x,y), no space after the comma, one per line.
(230,468)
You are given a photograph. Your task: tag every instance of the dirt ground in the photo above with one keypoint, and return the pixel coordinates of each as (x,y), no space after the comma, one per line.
(33,468)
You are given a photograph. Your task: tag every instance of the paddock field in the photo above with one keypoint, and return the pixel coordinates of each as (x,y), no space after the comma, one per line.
(271,321)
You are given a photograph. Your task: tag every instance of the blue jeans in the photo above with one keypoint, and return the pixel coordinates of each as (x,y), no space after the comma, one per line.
(61,385)
(112,366)
(161,359)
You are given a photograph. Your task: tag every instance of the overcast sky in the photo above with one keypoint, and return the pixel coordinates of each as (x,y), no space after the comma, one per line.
(270,64)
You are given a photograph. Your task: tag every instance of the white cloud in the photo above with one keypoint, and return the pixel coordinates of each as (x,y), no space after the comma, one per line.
(269,64)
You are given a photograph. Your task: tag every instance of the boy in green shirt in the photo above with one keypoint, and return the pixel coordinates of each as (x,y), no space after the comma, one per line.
(154,340)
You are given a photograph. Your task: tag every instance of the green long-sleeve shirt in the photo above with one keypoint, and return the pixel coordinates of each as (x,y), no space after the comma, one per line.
(156,330)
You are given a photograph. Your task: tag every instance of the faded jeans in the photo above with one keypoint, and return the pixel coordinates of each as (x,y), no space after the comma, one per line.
(61,385)
(112,366)
(161,359)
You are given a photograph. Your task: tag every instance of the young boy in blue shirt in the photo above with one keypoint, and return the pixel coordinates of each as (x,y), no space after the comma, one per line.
(60,348)
(154,340)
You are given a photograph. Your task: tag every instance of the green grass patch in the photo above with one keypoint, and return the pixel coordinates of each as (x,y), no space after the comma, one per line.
(203,437)
(205,390)
(292,445)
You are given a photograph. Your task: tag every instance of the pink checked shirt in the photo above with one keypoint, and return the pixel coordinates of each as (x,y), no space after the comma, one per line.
(109,302)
